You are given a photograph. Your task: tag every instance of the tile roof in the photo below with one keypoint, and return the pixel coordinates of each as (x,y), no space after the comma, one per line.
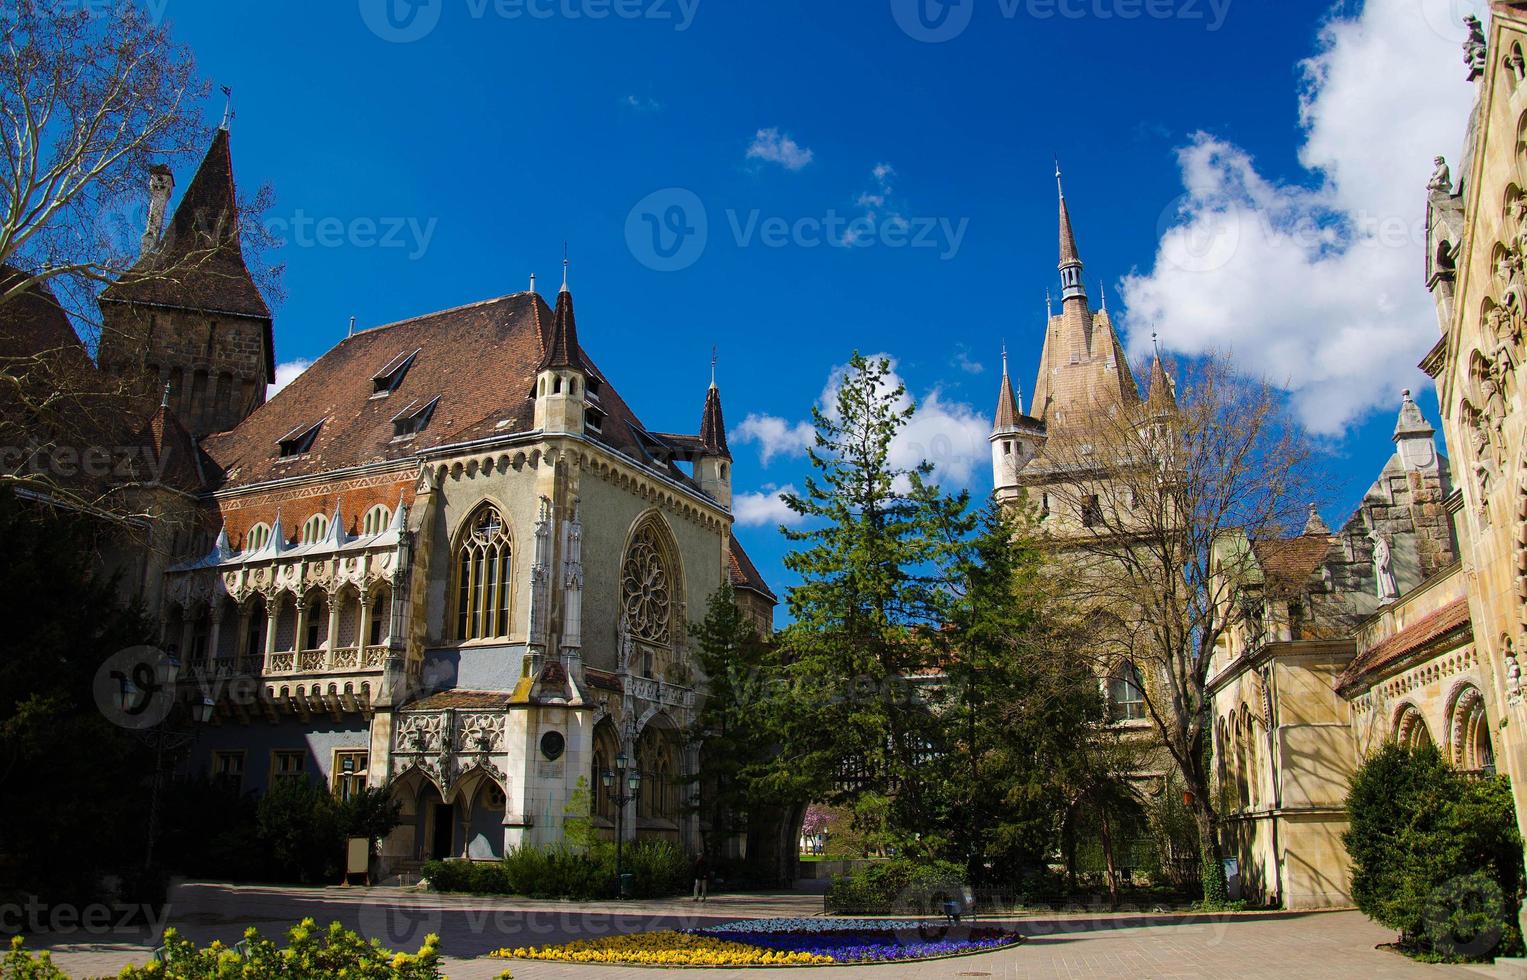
(713,426)
(33,321)
(562,350)
(461,699)
(200,263)
(178,460)
(1451,619)
(1008,410)
(1288,563)
(480,359)
(744,574)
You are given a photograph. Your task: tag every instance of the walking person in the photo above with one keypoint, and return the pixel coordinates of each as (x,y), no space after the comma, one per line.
(702,878)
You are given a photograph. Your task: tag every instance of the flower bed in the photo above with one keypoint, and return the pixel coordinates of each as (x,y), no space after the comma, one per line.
(778,942)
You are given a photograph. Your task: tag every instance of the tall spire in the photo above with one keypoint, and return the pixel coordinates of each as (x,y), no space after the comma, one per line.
(1070,258)
(563,351)
(712,424)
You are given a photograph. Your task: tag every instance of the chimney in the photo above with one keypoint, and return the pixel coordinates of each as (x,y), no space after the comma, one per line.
(161,183)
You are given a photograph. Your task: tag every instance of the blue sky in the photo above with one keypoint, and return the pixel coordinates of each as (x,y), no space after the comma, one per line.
(505,128)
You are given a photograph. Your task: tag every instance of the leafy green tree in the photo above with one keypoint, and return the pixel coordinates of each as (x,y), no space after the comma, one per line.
(370,812)
(1428,844)
(299,824)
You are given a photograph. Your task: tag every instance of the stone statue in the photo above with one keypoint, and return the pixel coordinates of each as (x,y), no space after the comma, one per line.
(1442,178)
(1513,676)
(1383,568)
(1475,49)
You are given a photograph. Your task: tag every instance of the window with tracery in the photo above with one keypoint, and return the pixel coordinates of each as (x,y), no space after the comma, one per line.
(482,577)
(646,588)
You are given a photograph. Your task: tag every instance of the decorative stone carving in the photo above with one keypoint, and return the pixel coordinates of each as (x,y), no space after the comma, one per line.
(1476,51)
(1442,177)
(646,589)
(1383,568)
(1513,675)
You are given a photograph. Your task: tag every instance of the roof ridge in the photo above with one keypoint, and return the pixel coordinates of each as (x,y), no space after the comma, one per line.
(426,316)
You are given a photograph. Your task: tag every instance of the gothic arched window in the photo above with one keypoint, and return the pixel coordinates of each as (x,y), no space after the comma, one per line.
(315,528)
(647,588)
(482,577)
(376,520)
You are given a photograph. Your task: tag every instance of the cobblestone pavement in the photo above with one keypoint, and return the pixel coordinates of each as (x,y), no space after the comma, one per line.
(1306,945)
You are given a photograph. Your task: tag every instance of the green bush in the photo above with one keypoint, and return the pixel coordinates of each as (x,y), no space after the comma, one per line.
(311,953)
(299,823)
(1435,855)
(18,964)
(658,869)
(897,886)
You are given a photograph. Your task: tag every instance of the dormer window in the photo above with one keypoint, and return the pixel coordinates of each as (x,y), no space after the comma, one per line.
(386,381)
(412,420)
(593,419)
(298,441)
(591,388)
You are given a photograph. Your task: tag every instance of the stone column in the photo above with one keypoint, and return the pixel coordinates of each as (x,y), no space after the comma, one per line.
(215,632)
(272,620)
(333,644)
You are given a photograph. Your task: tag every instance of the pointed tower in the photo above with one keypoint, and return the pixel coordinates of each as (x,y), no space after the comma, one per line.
(1082,369)
(713,467)
(560,381)
(1414,438)
(188,314)
(1015,439)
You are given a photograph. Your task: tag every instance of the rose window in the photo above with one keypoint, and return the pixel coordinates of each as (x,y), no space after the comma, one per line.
(646,590)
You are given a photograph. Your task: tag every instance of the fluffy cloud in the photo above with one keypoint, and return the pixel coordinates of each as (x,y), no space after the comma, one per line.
(1317,284)
(286,373)
(765,508)
(775,436)
(775,147)
(877,207)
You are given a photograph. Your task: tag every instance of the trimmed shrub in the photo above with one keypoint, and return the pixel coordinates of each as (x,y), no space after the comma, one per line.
(1435,855)
(311,953)
(658,869)
(897,886)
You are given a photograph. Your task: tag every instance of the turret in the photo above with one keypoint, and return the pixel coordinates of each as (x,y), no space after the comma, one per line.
(1414,438)
(560,383)
(1071,268)
(1015,438)
(713,467)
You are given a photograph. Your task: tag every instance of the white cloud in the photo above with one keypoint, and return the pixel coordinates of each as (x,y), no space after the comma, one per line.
(1317,284)
(287,373)
(950,435)
(775,147)
(641,103)
(765,508)
(876,205)
(965,362)
(775,436)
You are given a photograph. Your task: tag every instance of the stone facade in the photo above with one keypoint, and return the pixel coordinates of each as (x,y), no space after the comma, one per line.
(448,559)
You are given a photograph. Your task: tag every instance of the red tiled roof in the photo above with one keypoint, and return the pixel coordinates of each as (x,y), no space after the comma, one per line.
(744,574)
(200,263)
(1417,636)
(481,360)
(176,457)
(33,321)
(1007,403)
(1288,563)
(712,426)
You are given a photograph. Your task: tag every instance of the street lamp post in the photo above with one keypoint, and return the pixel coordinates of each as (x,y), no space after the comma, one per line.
(632,782)
(164,740)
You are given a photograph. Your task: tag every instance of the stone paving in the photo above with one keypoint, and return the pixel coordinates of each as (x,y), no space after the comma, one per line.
(1266,945)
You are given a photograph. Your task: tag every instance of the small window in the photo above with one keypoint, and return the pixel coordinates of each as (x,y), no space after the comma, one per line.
(572,386)
(593,419)
(381,614)
(1092,512)
(376,520)
(413,419)
(257,537)
(1126,693)
(591,388)
(287,765)
(228,770)
(349,772)
(299,441)
(387,380)
(315,528)
(1007,449)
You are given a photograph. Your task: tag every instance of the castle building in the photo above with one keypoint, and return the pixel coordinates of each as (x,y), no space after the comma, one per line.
(1407,624)
(448,558)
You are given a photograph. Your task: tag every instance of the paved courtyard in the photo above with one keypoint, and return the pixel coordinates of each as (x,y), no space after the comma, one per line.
(1072,945)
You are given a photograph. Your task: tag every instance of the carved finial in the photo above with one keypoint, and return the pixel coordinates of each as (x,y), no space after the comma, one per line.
(1059,187)
(532,282)
(713,366)
(352,327)
(564,267)
(165,401)
(1103,292)
(1049,305)
(227,108)
(1004,358)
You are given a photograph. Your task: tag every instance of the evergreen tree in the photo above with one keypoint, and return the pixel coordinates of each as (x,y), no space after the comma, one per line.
(873,565)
